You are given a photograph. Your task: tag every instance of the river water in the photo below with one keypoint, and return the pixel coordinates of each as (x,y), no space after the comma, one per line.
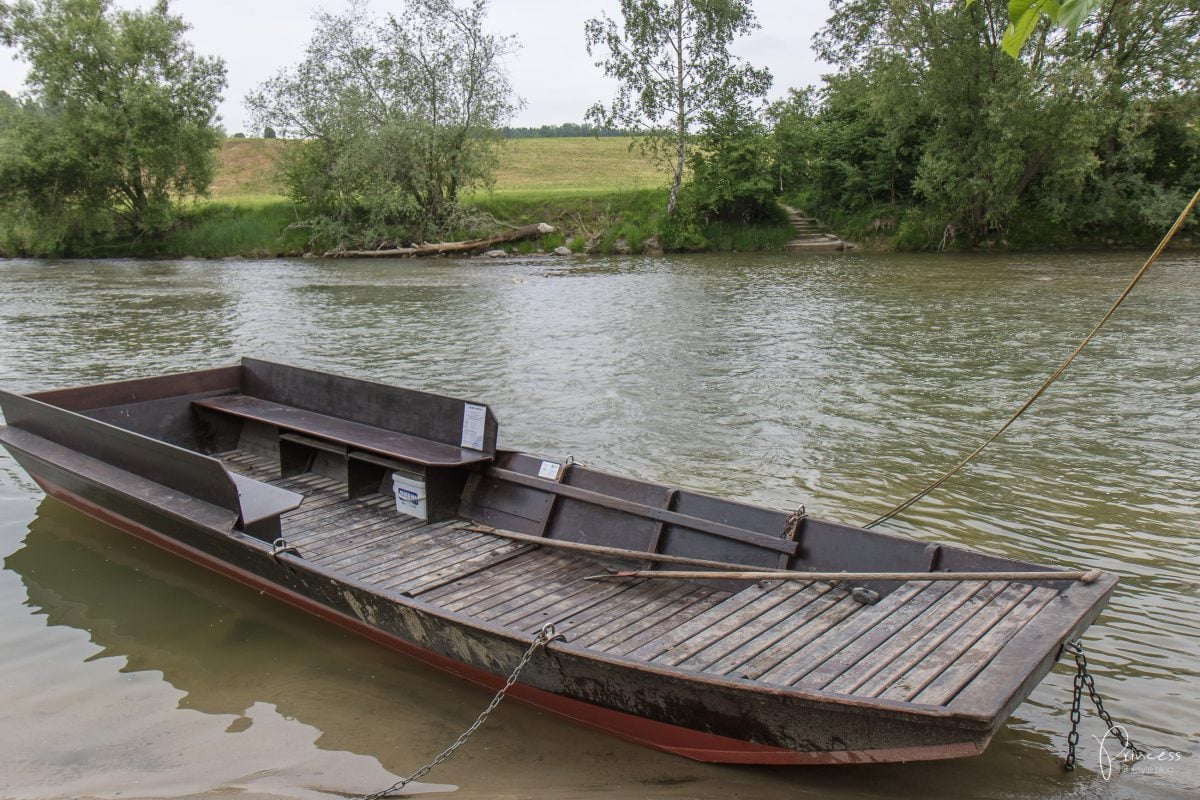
(841,382)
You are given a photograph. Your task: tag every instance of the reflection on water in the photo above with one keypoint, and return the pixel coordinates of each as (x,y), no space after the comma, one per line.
(842,383)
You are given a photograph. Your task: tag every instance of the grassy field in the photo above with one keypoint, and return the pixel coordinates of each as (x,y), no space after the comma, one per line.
(601,194)
(579,165)
(246,167)
(595,190)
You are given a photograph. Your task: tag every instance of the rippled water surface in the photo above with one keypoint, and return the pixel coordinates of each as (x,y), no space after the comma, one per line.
(839,382)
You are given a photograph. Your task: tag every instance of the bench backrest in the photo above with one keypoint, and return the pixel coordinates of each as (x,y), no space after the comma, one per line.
(429,416)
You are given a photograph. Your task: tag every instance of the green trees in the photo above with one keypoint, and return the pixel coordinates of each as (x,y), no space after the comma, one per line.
(1092,133)
(117,126)
(675,72)
(399,115)
(732,179)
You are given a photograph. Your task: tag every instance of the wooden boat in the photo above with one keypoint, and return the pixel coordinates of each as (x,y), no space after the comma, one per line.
(392,512)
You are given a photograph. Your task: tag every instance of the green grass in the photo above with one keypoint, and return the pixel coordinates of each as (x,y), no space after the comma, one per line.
(579,165)
(247,226)
(585,220)
(729,237)
(561,166)
(247,168)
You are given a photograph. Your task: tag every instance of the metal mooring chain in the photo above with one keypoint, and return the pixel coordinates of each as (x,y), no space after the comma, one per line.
(544,637)
(1083,678)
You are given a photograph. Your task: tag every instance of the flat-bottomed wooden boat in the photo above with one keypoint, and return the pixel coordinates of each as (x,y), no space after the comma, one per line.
(392,512)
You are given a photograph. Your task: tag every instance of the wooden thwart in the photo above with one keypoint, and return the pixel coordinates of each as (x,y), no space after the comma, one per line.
(662,515)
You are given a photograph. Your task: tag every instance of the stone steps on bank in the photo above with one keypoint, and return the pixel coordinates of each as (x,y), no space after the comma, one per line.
(811,235)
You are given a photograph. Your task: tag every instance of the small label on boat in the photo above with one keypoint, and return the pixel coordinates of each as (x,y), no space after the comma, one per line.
(549,470)
(473,422)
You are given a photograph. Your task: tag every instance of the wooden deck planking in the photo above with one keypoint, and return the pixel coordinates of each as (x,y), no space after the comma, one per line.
(738,647)
(914,681)
(359,540)
(535,596)
(720,625)
(696,600)
(525,589)
(365,539)
(359,526)
(435,578)
(871,675)
(418,547)
(638,601)
(376,542)
(924,642)
(439,552)
(480,588)
(801,628)
(862,636)
(389,555)
(335,514)
(450,555)
(952,679)
(823,635)
(558,606)
(450,576)
(701,627)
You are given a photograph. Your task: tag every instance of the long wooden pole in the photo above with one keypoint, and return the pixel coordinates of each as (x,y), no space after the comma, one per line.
(616,552)
(741,572)
(1091,576)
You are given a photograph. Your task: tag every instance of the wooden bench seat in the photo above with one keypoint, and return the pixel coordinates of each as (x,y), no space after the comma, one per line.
(402,446)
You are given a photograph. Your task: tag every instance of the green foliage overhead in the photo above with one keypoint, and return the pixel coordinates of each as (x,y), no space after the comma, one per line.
(1024,16)
(675,72)
(116,126)
(399,115)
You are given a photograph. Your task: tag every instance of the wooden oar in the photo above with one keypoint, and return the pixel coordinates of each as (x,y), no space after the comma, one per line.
(616,552)
(742,572)
(1090,576)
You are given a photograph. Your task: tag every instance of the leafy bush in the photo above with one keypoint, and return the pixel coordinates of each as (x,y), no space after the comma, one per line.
(731,173)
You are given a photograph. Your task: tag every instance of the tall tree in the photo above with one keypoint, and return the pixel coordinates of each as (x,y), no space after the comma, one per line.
(400,113)
(119,119)
(675,71)
(928,108)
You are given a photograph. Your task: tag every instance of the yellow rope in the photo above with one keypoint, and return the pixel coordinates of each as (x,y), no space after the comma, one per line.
(1053,376)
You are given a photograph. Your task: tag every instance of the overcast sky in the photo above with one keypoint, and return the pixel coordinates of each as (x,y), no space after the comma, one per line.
(552,71)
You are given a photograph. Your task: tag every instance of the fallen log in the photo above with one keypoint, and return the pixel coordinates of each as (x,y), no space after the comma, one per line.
(441,248)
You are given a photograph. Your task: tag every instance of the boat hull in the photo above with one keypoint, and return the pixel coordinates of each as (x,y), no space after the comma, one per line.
(721,723)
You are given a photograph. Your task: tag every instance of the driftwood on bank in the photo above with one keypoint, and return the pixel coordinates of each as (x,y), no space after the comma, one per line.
(441,248)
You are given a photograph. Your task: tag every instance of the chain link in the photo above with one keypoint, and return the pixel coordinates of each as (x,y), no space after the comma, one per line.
(1084,679)
(544,637)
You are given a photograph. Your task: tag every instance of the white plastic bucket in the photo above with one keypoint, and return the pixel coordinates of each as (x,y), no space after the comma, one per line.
(410,495)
